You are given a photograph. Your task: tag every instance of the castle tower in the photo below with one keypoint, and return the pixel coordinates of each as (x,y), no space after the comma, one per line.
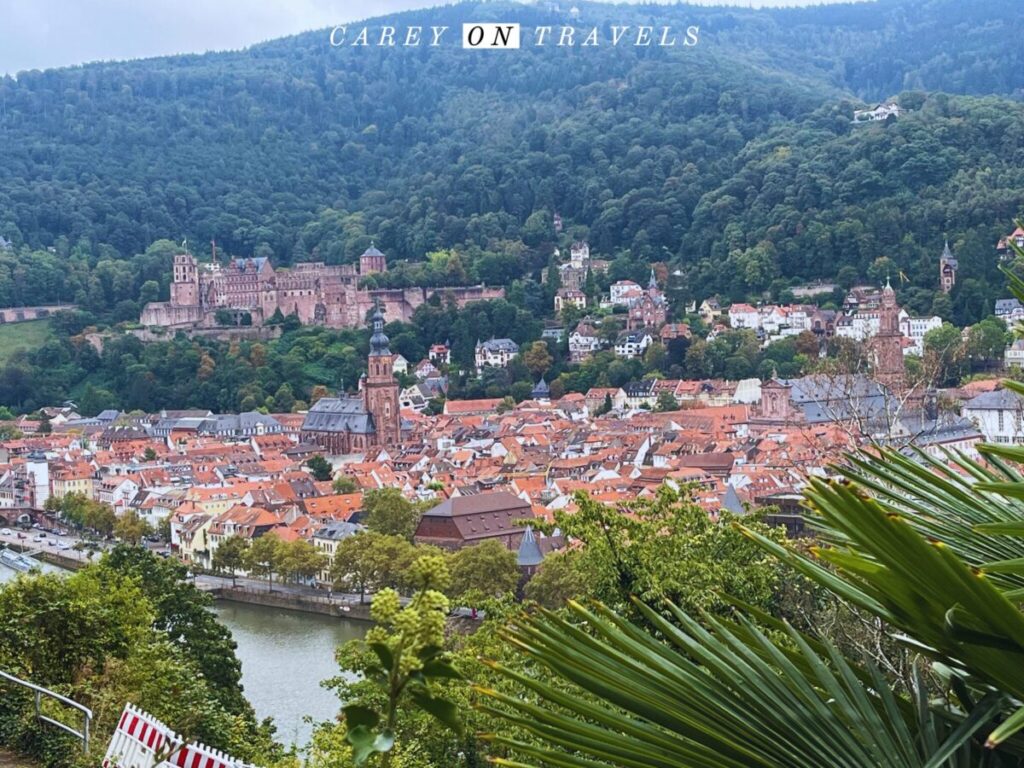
(947,269)
(380,393)
(372,261)
(185,287)
(888,344)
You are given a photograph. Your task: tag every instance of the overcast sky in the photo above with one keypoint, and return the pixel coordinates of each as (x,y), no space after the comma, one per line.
(37,34)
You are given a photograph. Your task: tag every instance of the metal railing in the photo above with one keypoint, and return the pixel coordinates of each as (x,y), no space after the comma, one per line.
(39,692)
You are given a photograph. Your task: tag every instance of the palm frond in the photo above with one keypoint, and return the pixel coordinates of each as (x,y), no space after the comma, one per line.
(944,500)
(714,694)
(953,611)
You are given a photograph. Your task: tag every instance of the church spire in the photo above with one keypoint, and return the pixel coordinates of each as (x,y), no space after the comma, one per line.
(378,341)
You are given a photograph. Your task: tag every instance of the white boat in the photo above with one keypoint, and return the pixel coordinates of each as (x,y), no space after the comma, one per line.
(16,561)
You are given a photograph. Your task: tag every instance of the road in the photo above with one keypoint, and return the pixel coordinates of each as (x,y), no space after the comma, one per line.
(50,542)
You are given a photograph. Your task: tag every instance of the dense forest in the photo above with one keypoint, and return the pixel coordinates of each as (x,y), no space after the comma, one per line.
(735,162)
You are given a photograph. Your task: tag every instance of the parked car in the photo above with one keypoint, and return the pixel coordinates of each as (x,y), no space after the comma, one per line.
(6,532)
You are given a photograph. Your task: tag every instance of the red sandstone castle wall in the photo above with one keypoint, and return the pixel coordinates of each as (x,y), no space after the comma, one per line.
(302,290)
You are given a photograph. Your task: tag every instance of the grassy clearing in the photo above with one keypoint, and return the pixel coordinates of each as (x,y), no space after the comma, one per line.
(17,336)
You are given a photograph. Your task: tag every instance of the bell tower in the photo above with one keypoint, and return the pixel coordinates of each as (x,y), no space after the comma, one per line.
(888,344)
(380,391)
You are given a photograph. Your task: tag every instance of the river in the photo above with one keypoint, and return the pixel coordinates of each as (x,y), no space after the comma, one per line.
(285,655)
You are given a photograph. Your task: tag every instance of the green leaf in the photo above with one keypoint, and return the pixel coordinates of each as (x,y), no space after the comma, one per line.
(1009,726)
(1015,528)
(440,668)
(442,709)
(429,652)
(362,739)
(358,714)
(387,660)
(366,743)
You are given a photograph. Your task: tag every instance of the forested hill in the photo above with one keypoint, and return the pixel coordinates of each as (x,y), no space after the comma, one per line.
(736,152)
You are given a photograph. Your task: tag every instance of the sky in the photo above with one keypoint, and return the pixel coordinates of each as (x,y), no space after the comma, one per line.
(39,34)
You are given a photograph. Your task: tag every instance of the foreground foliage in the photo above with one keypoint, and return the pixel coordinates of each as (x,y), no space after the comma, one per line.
(129,628)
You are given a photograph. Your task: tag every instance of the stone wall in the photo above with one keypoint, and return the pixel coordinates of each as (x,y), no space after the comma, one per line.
(24,314)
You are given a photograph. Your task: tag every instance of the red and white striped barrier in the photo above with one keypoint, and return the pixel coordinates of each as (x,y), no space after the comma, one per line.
(142,741)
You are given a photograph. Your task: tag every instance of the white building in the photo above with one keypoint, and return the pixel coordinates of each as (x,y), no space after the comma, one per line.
(632,343)
(496,353)
(914,328)
(744,316)
(998,415)
(570,297)
(1014,356)
(583,342)
(880,112)
(624,292)
(579,254)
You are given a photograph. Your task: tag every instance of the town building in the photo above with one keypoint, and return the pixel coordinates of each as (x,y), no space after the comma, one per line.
(495,353)
(633,343)
(876,113)
(569,297)
(1014,355)
(1005,245)
(583,341)
(650,310)
(466,520)
(999,415)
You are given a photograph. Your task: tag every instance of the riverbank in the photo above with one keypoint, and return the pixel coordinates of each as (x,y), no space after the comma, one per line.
(317,604)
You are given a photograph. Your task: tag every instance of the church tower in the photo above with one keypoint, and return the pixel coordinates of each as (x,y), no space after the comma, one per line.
(380,392)
(947,269)
(888,344)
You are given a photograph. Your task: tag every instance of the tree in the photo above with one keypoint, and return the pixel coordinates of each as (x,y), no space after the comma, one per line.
(320,467)
(668,548)
(301,560)
(537,358)
(264,557)
(557,580)
(666,401)
(370,560)
(344,484)
(230,555)
(183,612)
(986,341)
(944,350)
(481,572)
(131,529)
(407,663)
(98,517)
(149,454)
(129,628)
(388,512)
